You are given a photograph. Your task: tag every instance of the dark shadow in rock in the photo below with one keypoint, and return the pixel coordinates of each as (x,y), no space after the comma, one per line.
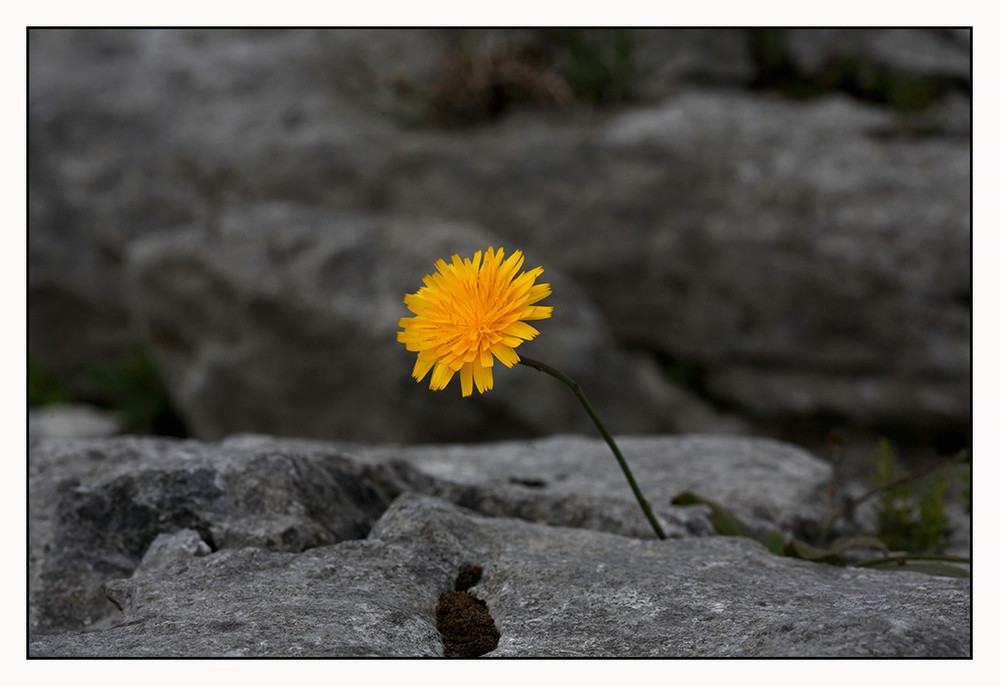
(529,482)
(468,576)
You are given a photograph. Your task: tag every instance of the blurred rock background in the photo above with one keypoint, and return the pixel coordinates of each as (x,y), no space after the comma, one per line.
(756,231)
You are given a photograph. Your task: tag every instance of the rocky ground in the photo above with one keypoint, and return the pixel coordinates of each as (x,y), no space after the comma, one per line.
(261,546)
(748,232)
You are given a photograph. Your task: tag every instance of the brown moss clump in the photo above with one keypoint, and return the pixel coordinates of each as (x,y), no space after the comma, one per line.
(464,621)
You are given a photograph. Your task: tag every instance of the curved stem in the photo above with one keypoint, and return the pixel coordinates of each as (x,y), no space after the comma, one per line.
(542,367)
(912,557)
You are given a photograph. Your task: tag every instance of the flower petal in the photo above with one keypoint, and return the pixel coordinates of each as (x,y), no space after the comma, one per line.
(421,368)
(441,376)
(466,377)
(505,354)
(483,377)
(521,330)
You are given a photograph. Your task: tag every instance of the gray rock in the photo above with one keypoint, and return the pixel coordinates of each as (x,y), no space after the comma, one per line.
(669,60)
(937,53)
(834,197)
(550,591)
(923,74)
(72,421)
(153,508)
(797,258)
(360,599)
(122,125)
(170,548)
(283,320)
(98,507)
(767,484)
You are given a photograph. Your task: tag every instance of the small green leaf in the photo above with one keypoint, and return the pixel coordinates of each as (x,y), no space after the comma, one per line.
(724,521)
(799,549)
(842,544)
(686,499)
(775,542)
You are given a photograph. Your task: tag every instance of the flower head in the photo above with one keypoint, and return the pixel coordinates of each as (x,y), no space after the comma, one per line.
(468,312)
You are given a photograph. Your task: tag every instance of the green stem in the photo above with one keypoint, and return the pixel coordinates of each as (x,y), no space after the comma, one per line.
(542,367)
(912,557)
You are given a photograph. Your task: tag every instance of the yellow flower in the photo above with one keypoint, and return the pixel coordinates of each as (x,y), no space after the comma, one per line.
(468,312)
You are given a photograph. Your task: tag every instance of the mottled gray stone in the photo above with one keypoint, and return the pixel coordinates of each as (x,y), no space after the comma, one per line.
(152,509)
(551,592)
(97,506)
(72,421)
(283,320)
(363,598)
(712,597)
(798,258)
(928,52)
(838,197)
(766,483)
(170,548)
(124,128)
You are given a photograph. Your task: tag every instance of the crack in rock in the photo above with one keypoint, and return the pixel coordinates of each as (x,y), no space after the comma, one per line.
(464,621)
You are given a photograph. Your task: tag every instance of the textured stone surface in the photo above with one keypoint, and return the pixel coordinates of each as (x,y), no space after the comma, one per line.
(269,546)
(833,195)
(98,506)
(797,259)
(283,320)
(134,131)
(550,592)
(169,548)
(359,599)
(765,483)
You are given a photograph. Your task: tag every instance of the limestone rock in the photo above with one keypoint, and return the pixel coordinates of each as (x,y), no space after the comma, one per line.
(550,592)
(931,53)
(794,258)
(153,511)
(72,421)
(98,507)
(283,320)
(359,599)
(132,131)
(104,508)
(672,60)
(856,270)
(169,548)
(767,484)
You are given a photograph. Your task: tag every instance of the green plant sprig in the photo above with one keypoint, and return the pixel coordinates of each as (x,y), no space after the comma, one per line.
(849,504)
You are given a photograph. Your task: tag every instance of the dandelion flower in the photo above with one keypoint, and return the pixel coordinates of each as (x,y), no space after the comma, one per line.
(469,312)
